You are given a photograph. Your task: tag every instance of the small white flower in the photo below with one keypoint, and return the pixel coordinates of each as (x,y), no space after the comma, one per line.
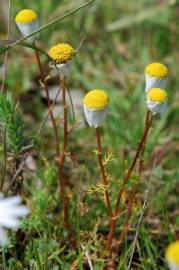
(62,56)
(95,118)
(157,107)
(27,29)
(10,212)
(64,69)
(27,23)
(152,82)
(156,76)
(96,107)
(157,100)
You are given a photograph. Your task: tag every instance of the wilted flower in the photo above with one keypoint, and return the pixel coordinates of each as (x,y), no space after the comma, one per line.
(62,57)
(172,255)
(157,100)
(96,107)
(156,75)
(27,23)
(10,212)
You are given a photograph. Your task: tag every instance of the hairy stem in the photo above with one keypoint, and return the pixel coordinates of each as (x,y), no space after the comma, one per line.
(103,174)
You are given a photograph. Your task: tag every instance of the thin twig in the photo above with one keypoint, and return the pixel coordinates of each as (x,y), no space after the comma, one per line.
(46,26)
(47,115)
(88,257)
(62,156)
(71,101)
(6,55)
(80,45)
(44,81)
(142,211)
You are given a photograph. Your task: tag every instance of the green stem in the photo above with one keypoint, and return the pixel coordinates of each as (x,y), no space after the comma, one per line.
(4,258)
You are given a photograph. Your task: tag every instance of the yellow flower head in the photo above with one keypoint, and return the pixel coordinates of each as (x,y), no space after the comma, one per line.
(96,99)
(61,53)
(157,70)
(26,16)
(172,252)
(157,95)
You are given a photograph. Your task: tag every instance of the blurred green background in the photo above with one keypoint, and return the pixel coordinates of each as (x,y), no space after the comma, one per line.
(122,37)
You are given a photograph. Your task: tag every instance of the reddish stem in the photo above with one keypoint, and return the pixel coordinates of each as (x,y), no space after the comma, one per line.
(62,156)
(111,232)
(103,174)
(126,179)
(48,102)
(127,217)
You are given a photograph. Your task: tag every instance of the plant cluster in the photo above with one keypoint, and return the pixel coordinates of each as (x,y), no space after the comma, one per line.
(120,207)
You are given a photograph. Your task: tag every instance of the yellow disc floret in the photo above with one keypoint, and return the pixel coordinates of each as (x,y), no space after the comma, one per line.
(157,95)
(157,70)
(26,16)
(96,99)
(61,53)
(172,252)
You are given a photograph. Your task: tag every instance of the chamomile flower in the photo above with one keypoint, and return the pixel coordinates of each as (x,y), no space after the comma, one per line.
(156,75)
(10,212)
(62,56)
(172,255)
(96,107)
(27,22)
(157,100)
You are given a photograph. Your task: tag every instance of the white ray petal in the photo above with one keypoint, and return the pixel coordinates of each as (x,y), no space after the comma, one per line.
(15,200)
(17,211)
(9,222)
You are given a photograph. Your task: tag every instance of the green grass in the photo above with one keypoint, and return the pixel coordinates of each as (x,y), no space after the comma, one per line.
(114,61)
